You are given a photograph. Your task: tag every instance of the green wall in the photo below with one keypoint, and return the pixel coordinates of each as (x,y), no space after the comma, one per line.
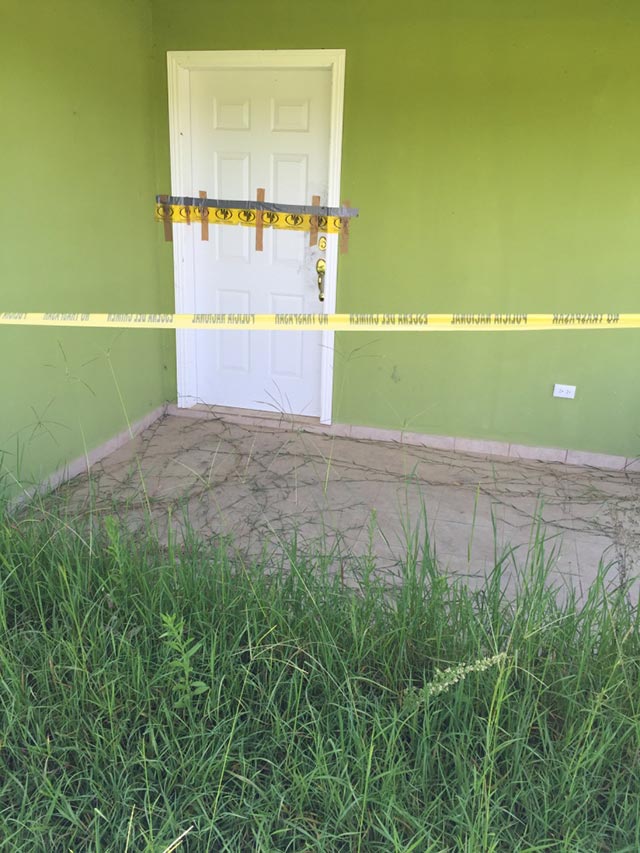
(492,148)
(76,226)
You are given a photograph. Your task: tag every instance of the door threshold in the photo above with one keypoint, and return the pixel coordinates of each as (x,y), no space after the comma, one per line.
(249,417)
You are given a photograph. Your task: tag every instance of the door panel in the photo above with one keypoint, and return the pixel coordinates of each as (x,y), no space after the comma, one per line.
(255,128)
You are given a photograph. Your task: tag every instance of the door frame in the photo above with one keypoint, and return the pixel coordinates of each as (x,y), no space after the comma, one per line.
(179,66)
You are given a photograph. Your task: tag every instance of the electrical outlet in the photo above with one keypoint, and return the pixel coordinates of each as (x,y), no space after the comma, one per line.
(568,392)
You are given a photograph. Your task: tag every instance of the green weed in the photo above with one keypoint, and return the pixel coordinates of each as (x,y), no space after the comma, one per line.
(155,698)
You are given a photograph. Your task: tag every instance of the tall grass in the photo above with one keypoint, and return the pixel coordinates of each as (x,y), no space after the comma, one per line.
(155,698)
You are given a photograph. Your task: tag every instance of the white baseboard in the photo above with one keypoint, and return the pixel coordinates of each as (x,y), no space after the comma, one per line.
(265,419)
(483,447)
(83,463)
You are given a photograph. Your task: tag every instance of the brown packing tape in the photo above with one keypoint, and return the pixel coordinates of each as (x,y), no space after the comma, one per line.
(344,231)
(313,233)
(167,223)
(259,214)
(259,221)
(204,222)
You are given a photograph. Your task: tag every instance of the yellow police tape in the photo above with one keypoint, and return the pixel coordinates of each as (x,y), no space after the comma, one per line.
(332,322)
(242,216)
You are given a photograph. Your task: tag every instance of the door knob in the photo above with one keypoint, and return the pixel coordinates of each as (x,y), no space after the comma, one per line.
(321,268)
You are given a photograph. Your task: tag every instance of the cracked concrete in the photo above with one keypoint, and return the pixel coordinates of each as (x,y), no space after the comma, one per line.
(256,484)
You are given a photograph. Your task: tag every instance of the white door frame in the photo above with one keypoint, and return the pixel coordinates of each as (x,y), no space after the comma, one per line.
(179,64)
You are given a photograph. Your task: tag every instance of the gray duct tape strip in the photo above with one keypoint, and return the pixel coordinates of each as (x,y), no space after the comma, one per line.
(187,201)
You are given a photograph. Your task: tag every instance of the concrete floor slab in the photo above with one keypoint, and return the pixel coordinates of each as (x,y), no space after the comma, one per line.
(259,484)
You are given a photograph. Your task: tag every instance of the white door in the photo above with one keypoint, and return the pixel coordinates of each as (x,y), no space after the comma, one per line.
(250,128)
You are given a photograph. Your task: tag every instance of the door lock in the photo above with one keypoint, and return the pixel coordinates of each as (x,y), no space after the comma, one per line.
(322,243)
(321,268)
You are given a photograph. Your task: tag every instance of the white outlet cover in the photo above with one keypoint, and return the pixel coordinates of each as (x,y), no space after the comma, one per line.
(567,392)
